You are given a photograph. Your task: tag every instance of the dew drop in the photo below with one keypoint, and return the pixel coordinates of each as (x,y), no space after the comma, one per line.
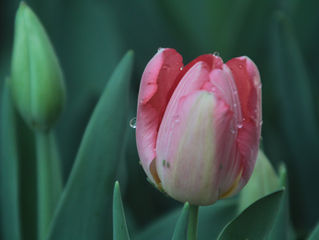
(235,105)
(240,66)
(133,122)
(216,54)
(181,68)
(232,131)
(239,125)
(261,123)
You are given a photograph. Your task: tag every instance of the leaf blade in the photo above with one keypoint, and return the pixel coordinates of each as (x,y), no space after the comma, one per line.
(120,231)
(84,209)
(180,231)
(253,216)
(9,164)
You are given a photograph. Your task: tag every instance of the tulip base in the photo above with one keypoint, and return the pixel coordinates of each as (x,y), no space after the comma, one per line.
(192,222)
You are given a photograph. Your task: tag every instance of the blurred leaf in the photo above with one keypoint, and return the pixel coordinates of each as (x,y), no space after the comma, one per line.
(28,179)
(49,180)
(315,233)
(9,171)
(89,46)
(296,116)
(212,219)
(84,211)
(282,228)
(256,221)
(263,181)
(120,231)
(180,231)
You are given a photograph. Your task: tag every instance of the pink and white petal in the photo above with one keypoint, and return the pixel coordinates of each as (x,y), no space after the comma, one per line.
(158,82)
(191,82)
(185,150)
(247,79)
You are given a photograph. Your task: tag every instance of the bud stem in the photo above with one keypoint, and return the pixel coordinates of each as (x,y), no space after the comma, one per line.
(192,222)
(49,180)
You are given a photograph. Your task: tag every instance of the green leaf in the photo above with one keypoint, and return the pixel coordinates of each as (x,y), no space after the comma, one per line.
(263,181)
(180,232)
(282,227)
(9,166)
(256,221)
(315,233)
(120,231)
(212,219)
(296,116)
(84,211)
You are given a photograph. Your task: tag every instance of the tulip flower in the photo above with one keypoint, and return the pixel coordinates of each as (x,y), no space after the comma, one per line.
(198,127)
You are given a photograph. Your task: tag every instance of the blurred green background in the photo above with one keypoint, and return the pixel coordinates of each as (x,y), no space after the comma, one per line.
(281,37)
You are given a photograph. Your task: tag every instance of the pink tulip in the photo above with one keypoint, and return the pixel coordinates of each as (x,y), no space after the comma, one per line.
(198,126)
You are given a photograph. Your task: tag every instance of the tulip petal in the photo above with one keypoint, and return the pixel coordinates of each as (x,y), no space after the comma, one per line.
(158,82)
(247,80)
(228,120)
(192,81)
(185,150)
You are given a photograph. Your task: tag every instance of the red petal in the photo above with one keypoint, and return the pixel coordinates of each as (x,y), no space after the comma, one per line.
(248,84)
(158,82)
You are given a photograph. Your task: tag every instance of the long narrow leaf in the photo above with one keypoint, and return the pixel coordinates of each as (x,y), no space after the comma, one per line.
(296,116)
(84,211)
(180,232)
(120,231)
(9,175)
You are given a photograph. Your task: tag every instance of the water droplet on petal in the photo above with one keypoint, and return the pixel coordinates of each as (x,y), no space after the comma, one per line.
(133,122)
(232,131)
(239,125)
(261,123)
(181,68)
(240,66)
(216,54)
(235,105)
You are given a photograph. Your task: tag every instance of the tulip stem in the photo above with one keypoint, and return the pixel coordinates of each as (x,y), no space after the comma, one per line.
(192,222)
(49,180)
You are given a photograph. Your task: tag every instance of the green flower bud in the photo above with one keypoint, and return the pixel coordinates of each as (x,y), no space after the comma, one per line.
(263,181)
(37,84)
